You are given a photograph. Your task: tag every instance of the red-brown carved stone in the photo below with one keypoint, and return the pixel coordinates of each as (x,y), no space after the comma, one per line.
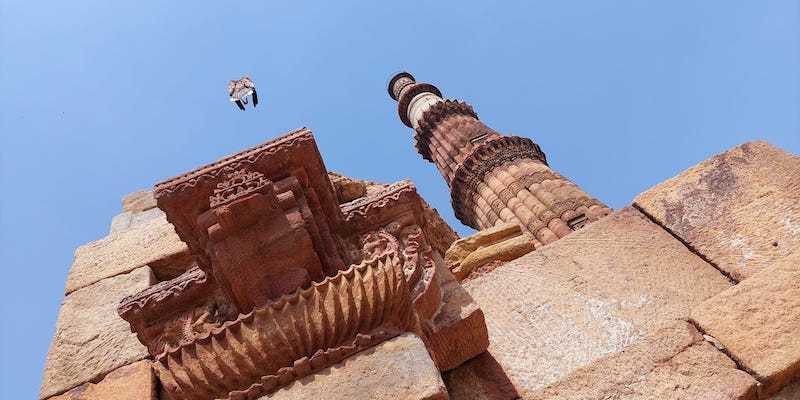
(493,179)
(291,281)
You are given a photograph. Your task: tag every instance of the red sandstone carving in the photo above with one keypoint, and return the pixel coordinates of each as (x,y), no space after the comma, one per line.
(493,179)
(273,245)
(288,338)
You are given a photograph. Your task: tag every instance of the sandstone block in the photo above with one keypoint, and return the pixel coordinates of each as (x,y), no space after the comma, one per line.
(758,322)
(399,368)
(590,294)
(131,382)
(130,219)
(671,363)
(139,201)
(458,331)
(91,340)
(123,252)
(500,243)
(740,209)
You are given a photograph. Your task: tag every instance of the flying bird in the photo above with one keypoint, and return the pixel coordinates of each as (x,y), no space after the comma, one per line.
(240,89)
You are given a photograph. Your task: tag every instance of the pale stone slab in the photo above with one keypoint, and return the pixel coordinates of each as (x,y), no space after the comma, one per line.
(758,322)
(130,219)
(131,382)
(740,209)
(139,201)
(124,251)
(399,368)
(91,340)
(588,295)
(672,363)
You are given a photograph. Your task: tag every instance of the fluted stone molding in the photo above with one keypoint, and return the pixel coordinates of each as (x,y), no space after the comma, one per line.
(493,179)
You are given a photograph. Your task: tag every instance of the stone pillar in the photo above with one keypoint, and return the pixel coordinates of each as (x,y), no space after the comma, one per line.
(493,179)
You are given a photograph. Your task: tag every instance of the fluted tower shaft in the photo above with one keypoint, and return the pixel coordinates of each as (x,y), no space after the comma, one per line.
(493,179)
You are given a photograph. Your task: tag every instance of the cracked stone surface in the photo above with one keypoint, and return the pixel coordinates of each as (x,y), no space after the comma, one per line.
(91,339)
(758,322)
(588,295)
(152,240)
(399,368)
(741,208)
(671,363)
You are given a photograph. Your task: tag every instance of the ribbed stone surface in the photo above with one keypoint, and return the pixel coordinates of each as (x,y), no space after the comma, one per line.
(91,340)
(672,363)
(124,251)
(588,295)
(758,322)
(399,368)
(741,208)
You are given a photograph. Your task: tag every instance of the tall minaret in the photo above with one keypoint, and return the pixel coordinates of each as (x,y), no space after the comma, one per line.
(493,178)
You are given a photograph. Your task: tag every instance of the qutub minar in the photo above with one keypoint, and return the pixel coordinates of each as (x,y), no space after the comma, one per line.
(263,275)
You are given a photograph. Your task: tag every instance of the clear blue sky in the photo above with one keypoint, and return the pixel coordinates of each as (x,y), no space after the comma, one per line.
(100,98)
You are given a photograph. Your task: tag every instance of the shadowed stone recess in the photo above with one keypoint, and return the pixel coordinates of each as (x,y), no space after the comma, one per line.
(123,252)
(740,209)
(588,295)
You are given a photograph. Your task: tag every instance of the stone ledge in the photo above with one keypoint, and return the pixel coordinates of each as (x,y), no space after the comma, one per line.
(758,323)
(739,209)
(672,363)
(123,252)
(131,382)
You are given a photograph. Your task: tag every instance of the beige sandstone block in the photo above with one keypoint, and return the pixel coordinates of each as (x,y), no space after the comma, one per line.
(740,209)
(139,201)
(672,363)
(131,382)
(399,368)
(121,252)
(758,322)
(91,340)
(504,242)
(588,295)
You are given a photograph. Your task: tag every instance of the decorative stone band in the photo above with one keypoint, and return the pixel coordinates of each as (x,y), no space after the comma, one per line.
(407,94)
(239,184)
(432,117)
(164,296)
(294,336)
(484,158)
(362,210)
